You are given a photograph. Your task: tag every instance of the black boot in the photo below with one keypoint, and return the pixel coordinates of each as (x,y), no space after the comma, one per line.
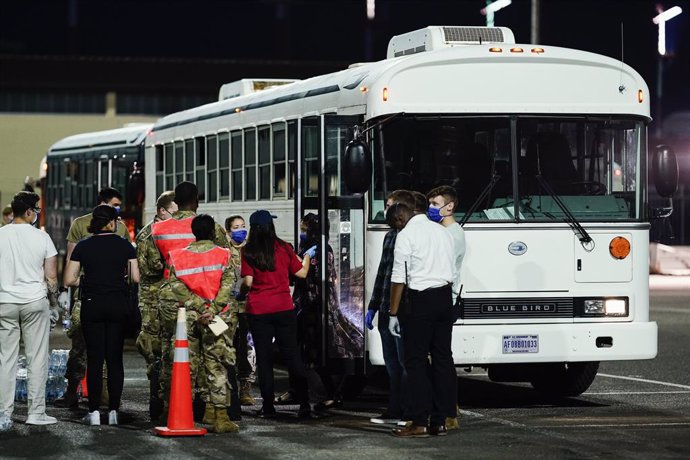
(155,403)
(70,398)
(235,408)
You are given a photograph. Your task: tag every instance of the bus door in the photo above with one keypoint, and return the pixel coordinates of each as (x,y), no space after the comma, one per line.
(321,190)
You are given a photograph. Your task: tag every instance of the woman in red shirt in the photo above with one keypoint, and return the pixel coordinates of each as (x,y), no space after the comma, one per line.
(267,263)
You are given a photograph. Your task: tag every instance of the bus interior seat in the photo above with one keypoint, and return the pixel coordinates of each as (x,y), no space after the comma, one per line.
(548,153)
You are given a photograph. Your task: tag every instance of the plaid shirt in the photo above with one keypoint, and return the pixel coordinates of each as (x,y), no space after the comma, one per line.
(381,294)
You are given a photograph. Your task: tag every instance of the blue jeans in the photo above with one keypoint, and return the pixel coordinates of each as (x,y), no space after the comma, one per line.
(394,360)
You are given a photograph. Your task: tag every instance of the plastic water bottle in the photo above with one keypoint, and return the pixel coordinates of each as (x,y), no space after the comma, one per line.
(66,322)
(21,386)
(5,422)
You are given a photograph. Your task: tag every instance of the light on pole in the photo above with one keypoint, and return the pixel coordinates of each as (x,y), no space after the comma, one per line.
(491,8)
(660,20)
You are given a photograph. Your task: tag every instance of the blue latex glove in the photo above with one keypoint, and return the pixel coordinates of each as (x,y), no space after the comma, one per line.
(394,326)
(369,319)
(311,251)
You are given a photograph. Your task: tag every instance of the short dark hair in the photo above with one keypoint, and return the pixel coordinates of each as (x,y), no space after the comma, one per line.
(230,220)
(165,200)
(7,210)
(420,202)
(186,193)
(203,227)
(402,196)
(102,214)
(106,194)
(22,202)
(447,192)
(398,211)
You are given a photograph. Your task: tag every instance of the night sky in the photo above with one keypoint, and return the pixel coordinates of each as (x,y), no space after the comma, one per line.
(333,30)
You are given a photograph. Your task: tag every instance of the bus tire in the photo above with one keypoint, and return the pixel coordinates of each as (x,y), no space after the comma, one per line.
(564,380)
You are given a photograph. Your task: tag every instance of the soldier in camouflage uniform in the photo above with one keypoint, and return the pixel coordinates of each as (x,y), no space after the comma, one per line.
(76,363)
(237,235)
(151,272)
(187,199)
(202,279)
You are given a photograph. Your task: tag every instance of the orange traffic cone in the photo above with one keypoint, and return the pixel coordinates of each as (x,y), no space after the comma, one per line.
(180,416)
(84,388)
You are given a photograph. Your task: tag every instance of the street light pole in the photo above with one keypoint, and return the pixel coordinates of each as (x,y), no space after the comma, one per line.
(660,20)
(491,8)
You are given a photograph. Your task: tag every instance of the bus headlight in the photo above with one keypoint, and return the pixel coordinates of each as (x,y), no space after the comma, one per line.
(615,307)
(601,306)
(594,306)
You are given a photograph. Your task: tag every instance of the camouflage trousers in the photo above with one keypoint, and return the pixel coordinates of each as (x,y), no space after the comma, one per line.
(76,362)
(149,339)
(209,356)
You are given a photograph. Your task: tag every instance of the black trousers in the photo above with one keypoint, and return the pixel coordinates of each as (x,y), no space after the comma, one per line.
(431,390)
(103,323)
(282,326)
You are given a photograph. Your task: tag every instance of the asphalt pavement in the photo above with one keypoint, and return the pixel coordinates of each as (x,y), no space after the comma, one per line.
(634,409)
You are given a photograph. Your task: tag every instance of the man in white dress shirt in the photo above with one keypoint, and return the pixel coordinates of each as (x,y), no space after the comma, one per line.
(426,252)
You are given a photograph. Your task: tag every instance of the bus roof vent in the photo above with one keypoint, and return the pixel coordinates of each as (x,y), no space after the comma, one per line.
(439,37)
(249,86)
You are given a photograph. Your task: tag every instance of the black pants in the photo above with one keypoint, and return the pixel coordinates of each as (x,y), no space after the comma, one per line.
(431,391)
(103,323)
(282,326)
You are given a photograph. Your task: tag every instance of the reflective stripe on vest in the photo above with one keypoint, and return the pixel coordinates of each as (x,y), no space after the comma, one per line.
(172,234)
(201,272)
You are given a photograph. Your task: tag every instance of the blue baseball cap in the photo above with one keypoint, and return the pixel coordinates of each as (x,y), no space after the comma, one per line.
(261,217)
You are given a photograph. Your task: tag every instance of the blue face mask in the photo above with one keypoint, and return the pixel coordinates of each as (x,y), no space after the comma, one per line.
(302,237)
(117,209)
(238,236)
(434,213)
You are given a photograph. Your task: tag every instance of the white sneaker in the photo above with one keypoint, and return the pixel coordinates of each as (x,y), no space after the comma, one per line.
(404,423)
(112,417)
(40,419)
(92,418)
(5,422)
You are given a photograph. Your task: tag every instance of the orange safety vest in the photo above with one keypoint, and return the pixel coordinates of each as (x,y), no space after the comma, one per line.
(172,234)
(201,272)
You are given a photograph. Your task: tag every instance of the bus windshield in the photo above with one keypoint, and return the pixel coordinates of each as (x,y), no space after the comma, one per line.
(593,165)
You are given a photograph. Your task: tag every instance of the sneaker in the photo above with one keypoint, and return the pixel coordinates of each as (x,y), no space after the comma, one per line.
(40,419)
(92,418)
(385,418)
(112,417)
(404,423)
(5,422)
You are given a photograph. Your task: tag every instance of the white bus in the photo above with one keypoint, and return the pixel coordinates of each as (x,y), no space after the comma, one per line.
(78,166)
(547,148)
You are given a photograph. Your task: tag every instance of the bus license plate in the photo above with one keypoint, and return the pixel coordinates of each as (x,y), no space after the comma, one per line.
(520,344)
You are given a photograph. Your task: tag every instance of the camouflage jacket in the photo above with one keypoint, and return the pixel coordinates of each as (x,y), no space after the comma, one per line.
(148,256)
(155,258)
(224,297)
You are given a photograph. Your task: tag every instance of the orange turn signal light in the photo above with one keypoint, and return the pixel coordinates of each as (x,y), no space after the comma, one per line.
(537,50)
(385,94)
(640,96)
(495,49)
(619,247)
(516,50)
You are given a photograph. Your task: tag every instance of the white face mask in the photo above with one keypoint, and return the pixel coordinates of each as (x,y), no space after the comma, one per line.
(35,217)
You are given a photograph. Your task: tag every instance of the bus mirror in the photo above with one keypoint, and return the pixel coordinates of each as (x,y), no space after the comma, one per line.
(357,166)
(665,170)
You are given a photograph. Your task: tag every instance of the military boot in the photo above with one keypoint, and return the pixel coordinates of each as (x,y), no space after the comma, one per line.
(246,398)
(222,423)
(70,398)
(209,415)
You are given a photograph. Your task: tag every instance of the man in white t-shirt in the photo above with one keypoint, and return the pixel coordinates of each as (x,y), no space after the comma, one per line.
(28,307)
(443,201)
